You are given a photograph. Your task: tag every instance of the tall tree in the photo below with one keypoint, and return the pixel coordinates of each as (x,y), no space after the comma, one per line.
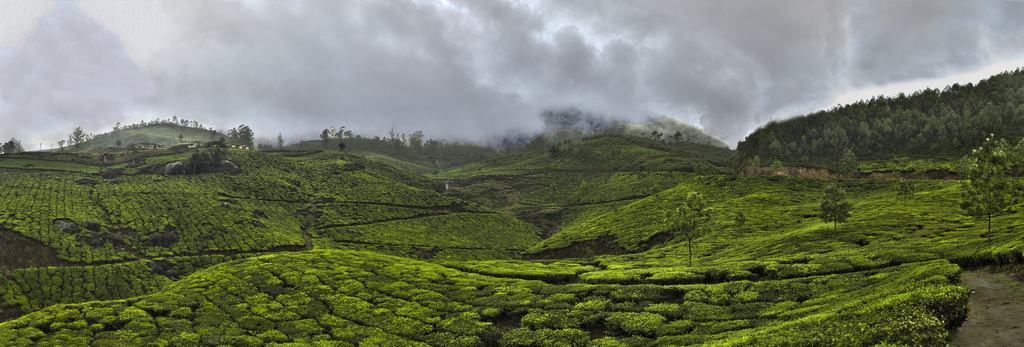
(324,136)
(690,221)
(280,141)
(12,146)
(987,192)
(834,207)
(77,136)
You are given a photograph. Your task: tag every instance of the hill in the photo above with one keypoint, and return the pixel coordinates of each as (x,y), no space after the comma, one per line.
(929,124)
(553,244)
(329,248)
(161,134)
(553,186)
(117,217)
(667,129)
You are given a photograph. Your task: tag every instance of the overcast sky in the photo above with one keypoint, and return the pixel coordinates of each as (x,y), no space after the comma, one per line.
(477,70)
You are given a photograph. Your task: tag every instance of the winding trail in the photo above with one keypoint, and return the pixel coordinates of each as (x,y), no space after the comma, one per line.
(997,311)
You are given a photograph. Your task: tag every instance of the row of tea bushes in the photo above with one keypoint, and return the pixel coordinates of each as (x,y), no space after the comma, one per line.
(347,298)
(33,289)
(457,230)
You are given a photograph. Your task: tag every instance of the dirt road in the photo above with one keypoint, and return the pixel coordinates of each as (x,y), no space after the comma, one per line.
(997,311)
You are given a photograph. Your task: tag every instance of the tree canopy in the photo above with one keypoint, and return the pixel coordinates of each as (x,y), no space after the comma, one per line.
(928,123)
(834,207)
(691,220)
(987,191)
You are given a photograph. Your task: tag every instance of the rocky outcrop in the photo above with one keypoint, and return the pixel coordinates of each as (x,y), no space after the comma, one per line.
(66,226)
(112,173)
(174,168)
(228,166)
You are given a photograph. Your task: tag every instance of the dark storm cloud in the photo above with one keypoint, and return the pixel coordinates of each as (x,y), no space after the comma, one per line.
(70,73)
(476,70)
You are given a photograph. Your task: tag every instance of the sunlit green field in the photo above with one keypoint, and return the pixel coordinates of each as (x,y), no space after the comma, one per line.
(334,249)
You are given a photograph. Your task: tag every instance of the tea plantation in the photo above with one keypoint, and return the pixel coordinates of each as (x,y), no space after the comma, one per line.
(561,247)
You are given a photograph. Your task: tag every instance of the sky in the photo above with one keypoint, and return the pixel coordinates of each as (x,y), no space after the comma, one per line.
(478,71)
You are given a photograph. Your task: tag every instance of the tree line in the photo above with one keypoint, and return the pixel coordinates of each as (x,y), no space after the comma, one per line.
(413,148)
(928,123)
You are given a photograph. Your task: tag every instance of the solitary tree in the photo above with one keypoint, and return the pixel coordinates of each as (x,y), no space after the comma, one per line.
(280,141)
(341,146)
(77,136)
(181,137)
(987,191)
(834,207)
(689,221)
(906,189)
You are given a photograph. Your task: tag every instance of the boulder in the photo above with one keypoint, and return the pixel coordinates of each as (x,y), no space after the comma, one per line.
(66,226)
(228,166)
(174,168)
(112,173)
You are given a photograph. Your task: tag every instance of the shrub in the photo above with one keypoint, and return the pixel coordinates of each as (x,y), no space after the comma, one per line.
(635,323)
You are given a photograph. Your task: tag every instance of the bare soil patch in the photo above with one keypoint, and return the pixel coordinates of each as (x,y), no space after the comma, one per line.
(997,311)
(18,252)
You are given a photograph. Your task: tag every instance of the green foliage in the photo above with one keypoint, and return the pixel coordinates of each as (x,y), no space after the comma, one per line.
(988,191)
(834,207)
(906,189)
(929,123)
(689,221)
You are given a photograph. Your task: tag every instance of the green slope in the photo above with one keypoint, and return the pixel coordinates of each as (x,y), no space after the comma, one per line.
(344,298)
(930,124)
(163,134)
(554,189)
(328,248)
(67,216)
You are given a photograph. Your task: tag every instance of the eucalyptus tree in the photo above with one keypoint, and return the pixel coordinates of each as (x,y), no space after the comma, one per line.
(987,190)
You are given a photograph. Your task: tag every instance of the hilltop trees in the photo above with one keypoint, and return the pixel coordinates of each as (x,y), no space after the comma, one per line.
(12,146)
(987,191)
(241,135)
(945,123)
(77,136)
(834,207)
(689,221)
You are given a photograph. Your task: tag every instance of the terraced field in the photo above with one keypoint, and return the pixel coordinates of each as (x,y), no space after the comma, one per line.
(531,249)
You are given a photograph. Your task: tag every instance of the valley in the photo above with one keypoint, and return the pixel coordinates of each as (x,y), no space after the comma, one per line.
(565,243)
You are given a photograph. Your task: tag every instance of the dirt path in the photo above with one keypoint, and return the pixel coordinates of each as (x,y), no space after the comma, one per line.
(997,311)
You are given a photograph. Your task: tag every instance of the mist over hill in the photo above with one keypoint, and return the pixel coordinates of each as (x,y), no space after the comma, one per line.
(575,238)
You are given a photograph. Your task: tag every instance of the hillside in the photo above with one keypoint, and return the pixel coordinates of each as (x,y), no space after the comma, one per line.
(554,186)
(929,123)
(667,128)
(664,129)
(161,134)
(66,216)
(561,244)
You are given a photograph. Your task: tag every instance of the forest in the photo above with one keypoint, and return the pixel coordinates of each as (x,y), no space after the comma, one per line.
(928,123)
